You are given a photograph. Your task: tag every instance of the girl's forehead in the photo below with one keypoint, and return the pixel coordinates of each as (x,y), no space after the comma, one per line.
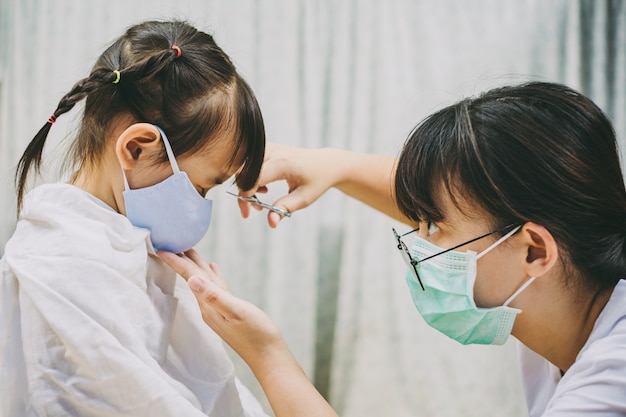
(221,154)
(222,143)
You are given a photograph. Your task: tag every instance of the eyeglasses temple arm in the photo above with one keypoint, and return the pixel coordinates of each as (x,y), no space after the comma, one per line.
(464,243)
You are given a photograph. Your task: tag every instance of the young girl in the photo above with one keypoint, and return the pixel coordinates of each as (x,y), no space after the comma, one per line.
(92,323)
(520,207)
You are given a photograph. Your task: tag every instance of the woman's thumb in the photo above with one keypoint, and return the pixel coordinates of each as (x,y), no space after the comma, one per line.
(196,283)
(214,301)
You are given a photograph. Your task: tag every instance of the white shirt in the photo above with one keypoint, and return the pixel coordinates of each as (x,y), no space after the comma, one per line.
(93,323)
(595,385)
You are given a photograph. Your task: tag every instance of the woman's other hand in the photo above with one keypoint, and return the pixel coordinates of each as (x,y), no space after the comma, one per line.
(253,335)
(245,327)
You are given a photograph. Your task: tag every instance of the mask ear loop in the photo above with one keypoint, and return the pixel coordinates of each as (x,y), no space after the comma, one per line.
(497,242)
(168,149)
(519,290)
(170,156)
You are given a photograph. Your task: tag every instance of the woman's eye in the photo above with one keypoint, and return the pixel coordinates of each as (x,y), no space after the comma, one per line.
(432,228)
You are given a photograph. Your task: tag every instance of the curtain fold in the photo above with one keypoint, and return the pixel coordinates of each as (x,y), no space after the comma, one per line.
(352,74)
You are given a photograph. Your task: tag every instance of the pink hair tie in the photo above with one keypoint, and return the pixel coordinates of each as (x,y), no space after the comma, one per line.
(178,51)
(52,119)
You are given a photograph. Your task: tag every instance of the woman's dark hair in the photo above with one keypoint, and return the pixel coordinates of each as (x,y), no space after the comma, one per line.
(193,97)
(538,152)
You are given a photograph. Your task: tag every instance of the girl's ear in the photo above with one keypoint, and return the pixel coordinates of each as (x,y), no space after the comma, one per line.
(132,144)
(542,250)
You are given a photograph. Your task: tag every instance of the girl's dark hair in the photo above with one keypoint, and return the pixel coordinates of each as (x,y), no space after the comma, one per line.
(193,97)
(538,152)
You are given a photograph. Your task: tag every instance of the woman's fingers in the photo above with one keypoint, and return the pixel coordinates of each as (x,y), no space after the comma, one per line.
(242,325)
(216,306)
(205,280)
(193,255)
(308,173)
(190,264)
(244,208)
(182,264)
(273,219)
(209,295)
(218,278)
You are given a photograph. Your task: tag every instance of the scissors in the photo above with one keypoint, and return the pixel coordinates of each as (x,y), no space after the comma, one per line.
(255,200)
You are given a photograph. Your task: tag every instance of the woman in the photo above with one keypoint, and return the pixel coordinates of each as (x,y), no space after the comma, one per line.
(519,205)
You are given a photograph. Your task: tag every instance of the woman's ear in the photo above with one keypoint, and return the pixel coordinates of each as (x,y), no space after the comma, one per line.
(542,251)
(132,144)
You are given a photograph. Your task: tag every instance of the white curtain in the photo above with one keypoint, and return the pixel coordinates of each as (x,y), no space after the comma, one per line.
(355,74)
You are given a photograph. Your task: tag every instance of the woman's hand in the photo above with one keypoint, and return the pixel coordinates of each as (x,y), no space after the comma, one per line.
(308,172)
(247,329)
(253,335)
(311,172)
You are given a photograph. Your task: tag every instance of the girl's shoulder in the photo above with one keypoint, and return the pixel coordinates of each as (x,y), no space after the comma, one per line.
(62,222)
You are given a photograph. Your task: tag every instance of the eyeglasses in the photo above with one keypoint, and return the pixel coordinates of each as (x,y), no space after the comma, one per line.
(254,200)
(406,255)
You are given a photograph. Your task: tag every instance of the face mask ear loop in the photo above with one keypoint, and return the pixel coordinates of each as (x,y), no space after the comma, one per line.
(170,156)
(168,149)
(126,186)
(520,289)
(497,242)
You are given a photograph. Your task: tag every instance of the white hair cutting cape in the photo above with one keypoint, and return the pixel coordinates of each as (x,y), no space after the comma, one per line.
(93,323)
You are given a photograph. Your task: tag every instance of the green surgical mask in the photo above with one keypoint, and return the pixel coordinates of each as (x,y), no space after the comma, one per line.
(447,301)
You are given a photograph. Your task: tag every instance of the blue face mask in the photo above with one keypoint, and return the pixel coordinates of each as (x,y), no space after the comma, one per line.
(177,216)
(447,301)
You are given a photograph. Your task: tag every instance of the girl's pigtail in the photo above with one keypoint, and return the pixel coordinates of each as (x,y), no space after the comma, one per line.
(31,158)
